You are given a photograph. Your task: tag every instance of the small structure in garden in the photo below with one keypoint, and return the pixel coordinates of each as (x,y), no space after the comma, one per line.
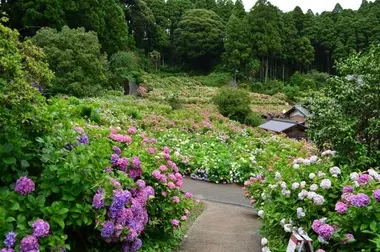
(292,129)
(297,113)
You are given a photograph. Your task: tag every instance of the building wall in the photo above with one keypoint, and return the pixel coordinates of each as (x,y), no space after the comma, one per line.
(295,132)
(297,118)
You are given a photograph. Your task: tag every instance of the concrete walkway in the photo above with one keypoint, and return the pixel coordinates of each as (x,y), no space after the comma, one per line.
(223,228)
(220,193)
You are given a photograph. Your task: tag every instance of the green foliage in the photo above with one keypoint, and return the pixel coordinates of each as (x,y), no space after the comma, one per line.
(233,103)
(205,29)
(23,114)
(254,119)
(123,66)
(215,79)
(74,55)
(271,87)
(347,118)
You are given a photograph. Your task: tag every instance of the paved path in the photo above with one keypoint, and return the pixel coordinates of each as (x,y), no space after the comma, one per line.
(222,193)
(223,228)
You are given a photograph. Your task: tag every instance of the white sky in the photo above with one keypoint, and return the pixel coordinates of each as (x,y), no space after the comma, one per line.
(316,5)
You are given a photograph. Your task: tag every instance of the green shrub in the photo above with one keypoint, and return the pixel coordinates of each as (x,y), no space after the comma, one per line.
(174,101)
(254,120)
(215,79)
(292,92)
(23,113)
(124,66)
(233,103)
(75,57)
(271,87)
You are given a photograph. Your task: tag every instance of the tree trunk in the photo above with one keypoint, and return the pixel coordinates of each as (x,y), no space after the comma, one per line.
(266,69)
(262,69)
(328,62)
(126,87)
(283,71)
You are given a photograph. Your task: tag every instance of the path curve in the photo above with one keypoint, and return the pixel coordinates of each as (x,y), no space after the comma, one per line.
(223,228)
(220,193)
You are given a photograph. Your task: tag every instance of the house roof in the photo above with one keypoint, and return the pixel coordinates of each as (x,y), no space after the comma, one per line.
(280,125)
(299,108)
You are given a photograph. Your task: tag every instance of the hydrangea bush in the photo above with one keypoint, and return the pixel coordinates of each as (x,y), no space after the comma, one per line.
(338,209)
(96,183)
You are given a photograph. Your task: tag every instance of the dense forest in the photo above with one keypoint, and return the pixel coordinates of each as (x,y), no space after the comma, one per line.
(204,35)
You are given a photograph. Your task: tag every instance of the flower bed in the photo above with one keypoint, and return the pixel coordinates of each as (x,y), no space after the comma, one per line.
(338,209)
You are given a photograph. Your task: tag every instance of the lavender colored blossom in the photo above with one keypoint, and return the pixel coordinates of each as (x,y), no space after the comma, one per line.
(83,139)
(325,231)
(376,194)
(136,163)
(175,222)
(116,150)
(120,199)
(348,189)
(122,164)
(316,225)
(136,245)
(24,186)
(10,240)
(41,228)
(29,243)
(364,179)
(149,191)
(132,235)
(98,200)
(341,207)
(360,200)
(141,183)
(114,159)
(7,250)
(108,229)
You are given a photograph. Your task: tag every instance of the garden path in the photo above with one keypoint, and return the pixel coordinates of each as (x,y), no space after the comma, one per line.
(220,193)
(228,222)
(223,228)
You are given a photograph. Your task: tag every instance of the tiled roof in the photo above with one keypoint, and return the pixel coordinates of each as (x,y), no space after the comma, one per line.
(279,125)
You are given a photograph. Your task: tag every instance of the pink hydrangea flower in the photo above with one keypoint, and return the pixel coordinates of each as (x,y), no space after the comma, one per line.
(171,185)
(341,207)
(156,174)
(364,179)
(183,218)
(175,222)
(132,130)
(24,186)
(188,195)
(176,199)
(163,168)
(187,212)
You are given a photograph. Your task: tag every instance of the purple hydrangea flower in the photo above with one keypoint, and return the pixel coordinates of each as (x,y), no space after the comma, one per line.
(108,229)
(132,235)
(141,183)
(116,150)
(122,163)
(364,179)
(360,200)
(175,222)
(166,149)
(29,243)
(136,245)
(151,150)
(10,240)
(24,186)
(114,159)
(136,163)
(126,247)
(376,194)
(83,139)
(7,250)
(149,191)
(120,199)
(348,189)
(341,207)
(41,228)
(166,156)
(316,224)
(350,237)
(98,199)
(325,231)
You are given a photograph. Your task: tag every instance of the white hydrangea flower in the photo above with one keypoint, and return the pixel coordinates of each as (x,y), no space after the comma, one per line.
(335,170)
(283,185)
(282,222)
(321,174)
(302,184)
(322,241)
(288,228)
(356,184)
(311,195)
(261,213)
(306,162)
(277,176)
(312,175)
(265,249)
(318,200)
(264,241)
(302,194)
(313,159)
(296,166)
(326,184)
(300,213)
(295,185)
(354,176)
(313,187)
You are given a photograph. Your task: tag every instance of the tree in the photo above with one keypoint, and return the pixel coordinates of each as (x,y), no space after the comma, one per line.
(23,113)
(124,68)
(239,10)
(347,119)
(299,19)
(206,4)
(304,53)
(75,57)
(238,51)
(224,9)
(177,9)
(199,37)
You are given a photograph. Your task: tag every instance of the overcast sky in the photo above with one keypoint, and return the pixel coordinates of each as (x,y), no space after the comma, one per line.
(315,5)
